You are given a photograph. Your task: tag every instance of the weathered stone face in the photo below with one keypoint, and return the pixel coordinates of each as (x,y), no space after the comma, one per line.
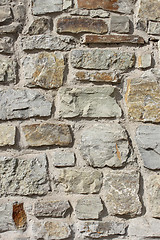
(7,135)
(39,26)
(77,25)
(8,69)
(50,6)
(97,229)
(144,60)
(153,192)
(19,216)
(47,42)
(102,145)
(88,102)
(47,134)
(143,100)
(62,158)
(44,70)
(24,175)
(23,104)
(89,207)
(105,77)
(122,193)
(6,221)
(148,139)
(51,208)
(5,14)
(11,28)
(120,24)
(81,180)
(6,45)
(154,28)
(102,59)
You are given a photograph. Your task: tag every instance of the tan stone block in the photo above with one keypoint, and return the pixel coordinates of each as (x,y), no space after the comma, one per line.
(7,135)
(97,76)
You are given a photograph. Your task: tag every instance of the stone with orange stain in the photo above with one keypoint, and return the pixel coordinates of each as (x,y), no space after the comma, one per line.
(105,77)
(19,215)
(45,70)
(104,146)
(47,134)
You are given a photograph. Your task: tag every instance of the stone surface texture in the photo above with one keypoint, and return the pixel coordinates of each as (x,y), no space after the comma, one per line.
(7,135)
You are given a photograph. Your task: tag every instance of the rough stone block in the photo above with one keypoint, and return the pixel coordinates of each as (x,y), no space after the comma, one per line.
(47,42)
(119,24)
(102,145)
(11,28)
(148,139)
(19,216)
(102,59)
(6,45)
(45,70)
(143,99)
(88,102)
(8,68)
(51,208)
(47,134)
(154,28)
(24,175)
(50,6)
(121,191)
(105,77)
(78,25)
(62,158)
(89,207)
(6,220)
(7,135)
(39,26)
(145,60)
(5,14)
(81,180)
(99,13)
(23,104)
(96,230)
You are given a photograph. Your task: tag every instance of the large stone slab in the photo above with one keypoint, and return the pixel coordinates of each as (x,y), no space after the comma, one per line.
(8,68)
(47,134)
(47,42)
(143,99)
(102,59)
(23,104)
(102,145)
(89,207)
(50,6)
(45,70)
(88,102)
(148,139)
(79,180)
(121,191)
(6,220)
(7,135)
(25,175)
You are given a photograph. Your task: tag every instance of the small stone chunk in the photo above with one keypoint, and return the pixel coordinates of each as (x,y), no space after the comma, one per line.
(47,42)
(7,135)
(77,25)
(122,189)
(148,139)
(51,209)
(23,104)
(81,180)
(45,70)
(95,230)
(19,12)
(102,59)
(6,45)
(11,28)
(5,14)
(154,28)
(145,60)
(99,13)
(19,216)
(47,134)
(105,77)
(88,102)
(62,158)
(119,24)
(8,68)
(89,207)
(39,26)
(25,175)
(6,221)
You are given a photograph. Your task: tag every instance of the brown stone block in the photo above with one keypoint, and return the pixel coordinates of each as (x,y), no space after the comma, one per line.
(77,25)
(92,4)
(97,76)
(19,215)
(109,39)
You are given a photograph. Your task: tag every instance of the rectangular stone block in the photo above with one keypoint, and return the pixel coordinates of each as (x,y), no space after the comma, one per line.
(78,25)
(121,191)
(24,175)
(39,26)
(111,39)
(154,28)
(19,216)
(8,69)
(47,42)
(105,77)
(102,59)
(6,45)
(11,28)
(62,158)
(47,134)
(124,6)
(5,14)
(143,99)
(7,135)
(23,104)
(120,24)
(50,6)
(145,60)
(45,70)
(88,102)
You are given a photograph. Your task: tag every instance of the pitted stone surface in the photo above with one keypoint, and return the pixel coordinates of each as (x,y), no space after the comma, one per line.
(102,145)
(62,158)
(7,135)
(39,26)
(26,175)
(148,139)
(44,70)
(88,102)
(120,24)
(102,59)
(6,221)
(23,104)
(121,188)
(8,67)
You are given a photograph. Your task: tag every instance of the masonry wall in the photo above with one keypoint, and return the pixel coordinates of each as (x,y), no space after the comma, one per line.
(79,119)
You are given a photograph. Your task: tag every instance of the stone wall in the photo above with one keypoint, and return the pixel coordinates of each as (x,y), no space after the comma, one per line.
(79,119)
